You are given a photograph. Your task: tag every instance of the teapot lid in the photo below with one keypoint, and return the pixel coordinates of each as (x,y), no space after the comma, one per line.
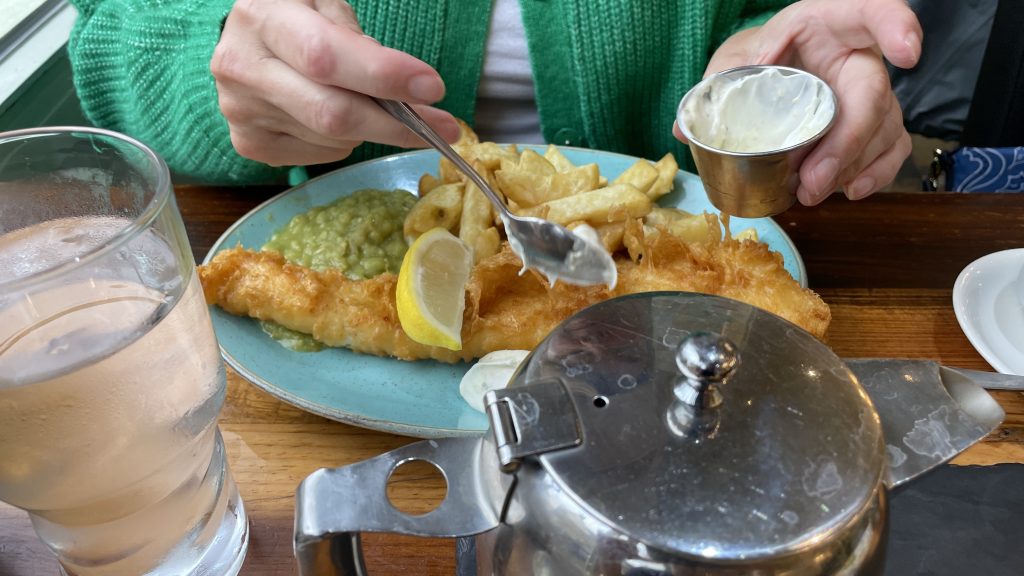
(697,424)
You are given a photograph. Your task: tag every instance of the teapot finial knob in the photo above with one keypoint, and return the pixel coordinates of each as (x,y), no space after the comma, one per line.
(705,362)
(706,357)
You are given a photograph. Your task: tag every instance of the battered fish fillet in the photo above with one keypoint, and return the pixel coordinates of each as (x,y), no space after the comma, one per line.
(503,309)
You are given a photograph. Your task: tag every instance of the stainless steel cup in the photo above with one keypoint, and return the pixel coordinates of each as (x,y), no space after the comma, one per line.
(749,183)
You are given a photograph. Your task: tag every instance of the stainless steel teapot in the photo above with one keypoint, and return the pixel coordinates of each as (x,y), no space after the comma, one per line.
(670,433)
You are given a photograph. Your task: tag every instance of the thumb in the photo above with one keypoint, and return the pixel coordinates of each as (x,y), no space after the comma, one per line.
(897,32)
(679,133)
(856,24)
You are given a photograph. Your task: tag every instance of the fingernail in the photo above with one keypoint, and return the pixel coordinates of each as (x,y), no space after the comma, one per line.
(426,88)
(368,37)
(861,188)
(679,133)
(913,42)
(824,176)
(449,131)
(804,195)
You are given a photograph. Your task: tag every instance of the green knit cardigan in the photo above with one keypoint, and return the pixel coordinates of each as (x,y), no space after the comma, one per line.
(608,73)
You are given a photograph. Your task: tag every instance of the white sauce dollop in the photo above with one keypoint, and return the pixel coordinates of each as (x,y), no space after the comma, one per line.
(491,372)
(762,112)
(604,261)
(593,262)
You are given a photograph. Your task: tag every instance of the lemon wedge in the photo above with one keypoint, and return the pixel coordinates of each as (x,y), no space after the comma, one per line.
(431,291)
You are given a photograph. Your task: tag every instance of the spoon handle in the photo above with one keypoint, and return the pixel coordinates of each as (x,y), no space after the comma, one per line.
(407,116)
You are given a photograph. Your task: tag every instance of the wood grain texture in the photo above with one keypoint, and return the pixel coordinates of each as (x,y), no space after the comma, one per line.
(886,266)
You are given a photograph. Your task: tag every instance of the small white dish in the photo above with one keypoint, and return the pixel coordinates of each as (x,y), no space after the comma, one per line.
(987,300)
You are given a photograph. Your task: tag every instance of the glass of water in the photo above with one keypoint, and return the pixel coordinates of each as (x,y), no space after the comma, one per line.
(110,376)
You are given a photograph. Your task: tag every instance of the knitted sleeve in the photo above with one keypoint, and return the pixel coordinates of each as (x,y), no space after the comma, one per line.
(142,67)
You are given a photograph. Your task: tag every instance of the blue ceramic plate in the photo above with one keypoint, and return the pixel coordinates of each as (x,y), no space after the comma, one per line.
(411,398)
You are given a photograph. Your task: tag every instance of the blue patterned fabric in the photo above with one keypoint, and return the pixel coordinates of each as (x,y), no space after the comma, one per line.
(987,170)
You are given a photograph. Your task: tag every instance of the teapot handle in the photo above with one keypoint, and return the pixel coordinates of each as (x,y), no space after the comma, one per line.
(334,505)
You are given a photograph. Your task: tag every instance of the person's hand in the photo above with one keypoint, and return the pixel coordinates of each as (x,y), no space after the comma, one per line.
(292,78)
(842,43)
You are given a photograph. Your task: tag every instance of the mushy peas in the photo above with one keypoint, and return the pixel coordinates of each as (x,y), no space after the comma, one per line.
(361,235)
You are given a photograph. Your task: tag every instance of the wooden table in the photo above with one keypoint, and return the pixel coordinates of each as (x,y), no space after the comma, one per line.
(886,266)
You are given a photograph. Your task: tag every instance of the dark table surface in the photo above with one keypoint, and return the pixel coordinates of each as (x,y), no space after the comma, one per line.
(886,266)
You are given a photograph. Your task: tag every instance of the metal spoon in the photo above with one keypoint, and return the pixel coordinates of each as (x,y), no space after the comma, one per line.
(542,245)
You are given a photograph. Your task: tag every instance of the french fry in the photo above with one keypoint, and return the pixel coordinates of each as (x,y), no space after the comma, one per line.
(441,207)
(488,175)
(690,228)
(448,172)
(617,214)
(553,155)
(552,187)
(508,165)
(490,155)
(427,183)
(746,234)
(594,206)
(476,228)
(641,175)
(529,187)
(466,142)
(466,134)
(524,188)
(633,238)
(530,161)
(610,234)
(667,168)
(486,243)
(575,181)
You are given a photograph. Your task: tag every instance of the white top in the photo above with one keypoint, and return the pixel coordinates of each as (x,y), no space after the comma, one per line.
(506,110)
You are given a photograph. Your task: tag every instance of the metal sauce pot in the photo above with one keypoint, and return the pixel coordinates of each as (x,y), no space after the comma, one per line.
(669,433)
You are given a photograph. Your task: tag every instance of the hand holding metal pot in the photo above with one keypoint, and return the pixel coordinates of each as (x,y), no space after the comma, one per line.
(670,433)
(750,129)
(844,44)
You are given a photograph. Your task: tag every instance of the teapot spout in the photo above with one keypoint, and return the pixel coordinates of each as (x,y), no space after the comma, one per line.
(929,413)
